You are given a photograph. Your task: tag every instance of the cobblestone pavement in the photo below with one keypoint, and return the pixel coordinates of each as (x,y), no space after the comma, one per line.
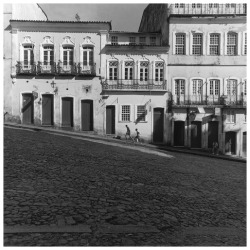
(63,191)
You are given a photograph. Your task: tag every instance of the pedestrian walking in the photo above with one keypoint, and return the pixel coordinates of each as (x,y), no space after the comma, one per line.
(137,137)
(128,133)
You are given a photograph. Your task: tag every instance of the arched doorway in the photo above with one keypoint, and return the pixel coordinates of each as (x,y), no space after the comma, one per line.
(87,115)
(179,133)
(28,108)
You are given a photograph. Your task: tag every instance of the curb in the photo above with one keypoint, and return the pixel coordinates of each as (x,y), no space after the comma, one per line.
(103,138)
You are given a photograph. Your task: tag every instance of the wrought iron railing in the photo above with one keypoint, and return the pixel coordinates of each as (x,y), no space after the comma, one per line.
(26,68)
(86,69)
(46,68)
(136,84)
(66,69)
(232,100)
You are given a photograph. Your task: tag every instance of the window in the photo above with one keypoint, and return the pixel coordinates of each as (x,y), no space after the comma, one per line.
(227,5)
(129,70)
(182,5)
(230,116)
(214,44)
(143,71)
(231,87)
(132,40)
(216,5)
(176,5)
(113,70)
(141,113)
(245,88)
(245,44)
(114,40)
(48,55)
(142,40)
(179,87)
(233,5)
(153,40)
(197,44)
(231,44)
(210,5)
(125,116)
(198,5)
(88,56)
(159,71)
(180,44)
(214,88)
(28,55)
(68,57)
(197,84)
(193,5)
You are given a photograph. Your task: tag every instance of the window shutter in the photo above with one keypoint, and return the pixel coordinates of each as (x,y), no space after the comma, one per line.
(81,54)
(131,113)
(21,54)
(120,113)
(61,52)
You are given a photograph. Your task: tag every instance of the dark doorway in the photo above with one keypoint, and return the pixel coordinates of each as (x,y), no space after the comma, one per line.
(230,142)
(67,112)
(179,133)
(195,134)
(28,109)
(158,125)
(87,115)
(110,120)
(212,133)
(47,110)
(244,144)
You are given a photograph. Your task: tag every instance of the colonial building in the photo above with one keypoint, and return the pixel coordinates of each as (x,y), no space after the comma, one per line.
(206,73)
(56,70)
(134,85)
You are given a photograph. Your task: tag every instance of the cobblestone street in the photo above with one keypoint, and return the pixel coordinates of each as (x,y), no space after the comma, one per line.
(65,191)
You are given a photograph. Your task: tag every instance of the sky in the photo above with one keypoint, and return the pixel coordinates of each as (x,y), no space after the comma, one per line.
(124,17)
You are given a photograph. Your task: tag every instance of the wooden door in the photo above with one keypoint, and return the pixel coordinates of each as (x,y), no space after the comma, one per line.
(230,142)
(179,133)
(67,112)
(47,110)
(158,125)
(28,109)
(213,132)
(195,134)
(87,115)
(110,119)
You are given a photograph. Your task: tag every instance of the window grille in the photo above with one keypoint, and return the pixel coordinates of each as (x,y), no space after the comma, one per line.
(197,44)
(153,40)
(141,113)
(125,113)
(231,44)
(180,44)
(142,40)
(114,40)
(132,40)
(214,87)
(214,44)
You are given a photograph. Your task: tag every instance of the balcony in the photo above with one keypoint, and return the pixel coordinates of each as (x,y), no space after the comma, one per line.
(86,70)
(195,100)
(26,68)
(43,69)
(66,69)
(208,9)
(135,85)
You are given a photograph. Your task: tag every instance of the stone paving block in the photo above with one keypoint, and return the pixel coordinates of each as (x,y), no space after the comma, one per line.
(214,231)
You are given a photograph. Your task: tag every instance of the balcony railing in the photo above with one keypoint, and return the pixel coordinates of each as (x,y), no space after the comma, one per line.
(86,70)
(25,68)
(46,69)
(66,69)
(209,100)
(207,9)
(135,84)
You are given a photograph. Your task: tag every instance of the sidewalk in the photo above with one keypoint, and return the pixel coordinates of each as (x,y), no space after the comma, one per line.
(113,140)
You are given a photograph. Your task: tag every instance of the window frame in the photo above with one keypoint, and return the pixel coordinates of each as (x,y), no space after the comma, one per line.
(143,114)
(231,87)
(50,49)
(197,87)
(69,53)
(132,40)
(112,68)
(152,40)
(197,48)
(231,46)
(114,40)
(128,70)
(88,52)
(230,116)
(28,49)
(142,42)
(159,71)
(126,114)
(144,71)
(180,46)
(180,88)
(214,88)
(214,45)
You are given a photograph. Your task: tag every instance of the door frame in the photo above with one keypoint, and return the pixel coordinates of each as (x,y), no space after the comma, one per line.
(163,123)
(21,104)
(191,133)
(184,134)
(114,106)
(70,96)
(93,113)
(41,96)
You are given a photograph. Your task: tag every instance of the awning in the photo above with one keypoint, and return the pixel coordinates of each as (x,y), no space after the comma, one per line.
(199,117)
(180,116)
